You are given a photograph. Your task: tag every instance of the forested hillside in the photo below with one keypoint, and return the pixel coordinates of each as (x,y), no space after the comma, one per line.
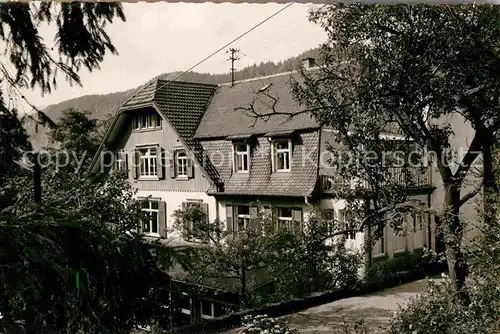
(103,106)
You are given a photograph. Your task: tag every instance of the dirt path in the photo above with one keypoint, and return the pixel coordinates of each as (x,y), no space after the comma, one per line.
(375,310)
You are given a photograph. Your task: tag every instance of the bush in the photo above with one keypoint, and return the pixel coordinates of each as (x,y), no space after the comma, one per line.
(387,270)
(264,324)
(438,310)
(432,311)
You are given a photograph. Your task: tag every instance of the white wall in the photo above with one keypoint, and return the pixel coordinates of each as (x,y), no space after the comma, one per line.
(460,142)
(327,203)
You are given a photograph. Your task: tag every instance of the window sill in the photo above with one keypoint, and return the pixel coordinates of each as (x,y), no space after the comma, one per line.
(148,178)
(282,172)
(400,253)
(147,129)
(376,256)
(182,178)
(153,235)
(379,257)
(241,175)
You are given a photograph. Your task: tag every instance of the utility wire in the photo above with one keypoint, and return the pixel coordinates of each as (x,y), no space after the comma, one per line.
(219,50)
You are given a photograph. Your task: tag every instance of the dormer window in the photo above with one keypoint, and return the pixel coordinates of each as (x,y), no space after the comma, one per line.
(241,158)
(282,155)
(147,121)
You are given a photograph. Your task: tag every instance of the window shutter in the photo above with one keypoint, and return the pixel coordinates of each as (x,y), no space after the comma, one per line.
(108,159)
(190,168)
(125,163)
(172,168)
(204,208)
(297,218)
(275,217)
(254,212)
(268,212)
(273,167)
(229,218)
(184,207)
(159,163)
(162,223)
(135,165)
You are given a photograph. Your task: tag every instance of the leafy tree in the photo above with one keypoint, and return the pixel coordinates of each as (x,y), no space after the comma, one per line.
(297,262)
(69,263)
(410,68)
(75,134)
(311,260)
(81,40)
(437,309)
(13,143)
(75,130)
(227,257)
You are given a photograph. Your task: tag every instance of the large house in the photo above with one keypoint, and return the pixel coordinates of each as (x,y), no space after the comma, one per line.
(151,137)
(198,144)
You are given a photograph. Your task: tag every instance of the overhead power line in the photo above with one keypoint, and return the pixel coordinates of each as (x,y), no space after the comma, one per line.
(221,48)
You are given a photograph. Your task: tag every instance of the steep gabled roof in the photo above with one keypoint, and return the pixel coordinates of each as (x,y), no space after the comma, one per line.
(143,96)
(181,103)
(224,116)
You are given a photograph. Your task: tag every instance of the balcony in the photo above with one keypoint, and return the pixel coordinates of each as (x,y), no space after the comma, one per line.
(417,178)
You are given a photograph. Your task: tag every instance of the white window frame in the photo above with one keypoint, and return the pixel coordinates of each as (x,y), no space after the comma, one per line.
(212,310)
(120,160)
(379,246)
(153,121)
(196,203)
(151,210)
(152,160)
(186,311)
(400,239)
(244,216)
(418,231)
(276,152)
(399,242)
(285,220)
(181,167)
(241,155)
(329,219)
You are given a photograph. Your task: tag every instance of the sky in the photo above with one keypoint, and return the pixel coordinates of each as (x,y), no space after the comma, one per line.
(166,37)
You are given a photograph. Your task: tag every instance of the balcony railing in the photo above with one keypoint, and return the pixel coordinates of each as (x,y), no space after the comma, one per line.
(412,177)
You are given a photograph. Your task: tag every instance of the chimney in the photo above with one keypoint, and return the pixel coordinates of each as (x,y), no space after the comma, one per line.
(308,63)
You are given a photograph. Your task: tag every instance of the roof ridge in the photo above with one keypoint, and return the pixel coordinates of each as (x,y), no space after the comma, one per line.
(185,82)
(267,76)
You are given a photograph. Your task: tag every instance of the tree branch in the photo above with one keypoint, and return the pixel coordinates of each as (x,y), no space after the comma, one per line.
(471,194)
(406,204)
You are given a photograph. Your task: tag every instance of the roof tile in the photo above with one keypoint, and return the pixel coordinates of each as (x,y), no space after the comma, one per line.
(228,113)
(261,181)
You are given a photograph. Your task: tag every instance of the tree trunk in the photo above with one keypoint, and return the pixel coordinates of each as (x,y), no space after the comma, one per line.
(456,259)
(243,292)
(490,187)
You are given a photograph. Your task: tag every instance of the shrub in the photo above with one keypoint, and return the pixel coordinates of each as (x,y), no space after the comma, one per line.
(438,310)
(388,270)
(264,324)
(433,311)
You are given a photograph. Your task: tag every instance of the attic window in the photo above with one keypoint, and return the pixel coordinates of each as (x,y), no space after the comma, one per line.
(265,87)
(148,120)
